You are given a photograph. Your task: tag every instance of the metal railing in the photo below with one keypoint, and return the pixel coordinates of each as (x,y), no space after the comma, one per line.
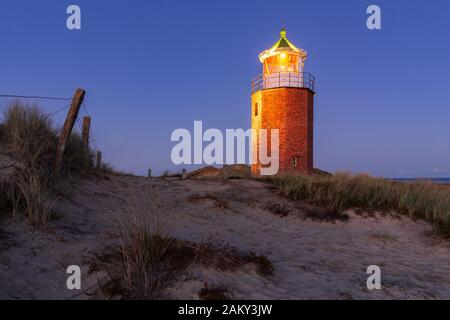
(284,79)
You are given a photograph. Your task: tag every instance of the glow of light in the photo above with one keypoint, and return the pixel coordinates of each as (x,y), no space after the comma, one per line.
(283,55)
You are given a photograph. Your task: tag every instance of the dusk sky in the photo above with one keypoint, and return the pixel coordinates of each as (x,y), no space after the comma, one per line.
(149,67)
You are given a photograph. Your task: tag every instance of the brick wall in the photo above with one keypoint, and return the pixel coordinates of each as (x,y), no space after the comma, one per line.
(291,111)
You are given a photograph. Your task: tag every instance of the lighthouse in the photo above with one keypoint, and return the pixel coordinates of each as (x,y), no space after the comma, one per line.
(283,99)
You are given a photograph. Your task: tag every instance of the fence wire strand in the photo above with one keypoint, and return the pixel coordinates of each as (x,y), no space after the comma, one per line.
(58,129)
(33,97)
(59,110)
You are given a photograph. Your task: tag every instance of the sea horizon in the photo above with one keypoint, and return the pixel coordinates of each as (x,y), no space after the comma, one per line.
(432,180)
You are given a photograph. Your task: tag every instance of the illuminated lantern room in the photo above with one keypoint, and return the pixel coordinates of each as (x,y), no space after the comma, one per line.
(283,66)
(282,57)
(283,100)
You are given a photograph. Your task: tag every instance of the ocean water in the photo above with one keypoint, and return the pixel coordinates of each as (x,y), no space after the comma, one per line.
(432,180)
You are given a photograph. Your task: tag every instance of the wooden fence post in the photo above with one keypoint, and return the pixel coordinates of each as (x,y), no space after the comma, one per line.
(98,165)
(183,174)
(72,115)
(86,129)
(149,174)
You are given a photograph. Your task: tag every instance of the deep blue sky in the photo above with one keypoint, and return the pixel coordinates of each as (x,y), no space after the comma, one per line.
(383,97)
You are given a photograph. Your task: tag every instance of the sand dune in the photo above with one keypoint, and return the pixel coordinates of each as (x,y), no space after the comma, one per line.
(311,259)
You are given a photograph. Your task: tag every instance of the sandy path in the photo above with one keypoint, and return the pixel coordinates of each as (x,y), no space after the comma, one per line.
(312,260)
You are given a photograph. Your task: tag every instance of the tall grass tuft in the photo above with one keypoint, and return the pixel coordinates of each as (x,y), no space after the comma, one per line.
(148,259)
(421,200)
(144,242)
(29,137)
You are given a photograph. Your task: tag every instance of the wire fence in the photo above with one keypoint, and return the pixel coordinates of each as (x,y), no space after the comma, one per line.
(60,109)
(33,97)
(38,97)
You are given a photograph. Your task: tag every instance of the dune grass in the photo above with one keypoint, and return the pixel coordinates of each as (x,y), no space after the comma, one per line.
(27,136)
(217,292)
(140,266)
(148,259)
(418,200)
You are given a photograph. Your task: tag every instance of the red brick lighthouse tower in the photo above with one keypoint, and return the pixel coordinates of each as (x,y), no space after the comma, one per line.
(282,98)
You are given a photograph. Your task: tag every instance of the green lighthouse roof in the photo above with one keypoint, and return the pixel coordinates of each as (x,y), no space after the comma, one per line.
(282,45)
(284,42)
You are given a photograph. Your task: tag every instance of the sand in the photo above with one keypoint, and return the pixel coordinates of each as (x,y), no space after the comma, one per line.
(311,259)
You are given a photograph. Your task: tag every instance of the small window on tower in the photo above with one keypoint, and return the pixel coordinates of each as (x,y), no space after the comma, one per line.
(294,161)
(256,109)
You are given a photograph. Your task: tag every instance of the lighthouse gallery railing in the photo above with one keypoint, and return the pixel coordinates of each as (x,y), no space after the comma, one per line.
(284,79)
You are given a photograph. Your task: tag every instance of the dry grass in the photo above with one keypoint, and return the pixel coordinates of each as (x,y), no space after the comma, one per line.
(215,292)
(141,264)
(226,258)
(148,259)
(263,265)
(28,136)
(218,202)
(324,214)
(418,200)
(384,236)
(33,198)
(278,209)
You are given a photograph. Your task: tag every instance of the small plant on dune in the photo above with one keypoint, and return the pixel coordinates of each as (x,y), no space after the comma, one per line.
(325,214)
(263,265)
(278,209)
(214,292)
(107,168)
(226,258)
(78,160)
(166,173)
(419,200)
(218,202)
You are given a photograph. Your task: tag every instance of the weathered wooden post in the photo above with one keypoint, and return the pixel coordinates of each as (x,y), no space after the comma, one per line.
(98,164)
(72,115)
(183,174)
(86,129)
(149,173)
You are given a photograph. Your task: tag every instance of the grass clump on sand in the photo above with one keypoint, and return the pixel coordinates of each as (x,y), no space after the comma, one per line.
(148,259)
(419,200)
(142,266)
(214,292)
(218,202)
(27,136)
